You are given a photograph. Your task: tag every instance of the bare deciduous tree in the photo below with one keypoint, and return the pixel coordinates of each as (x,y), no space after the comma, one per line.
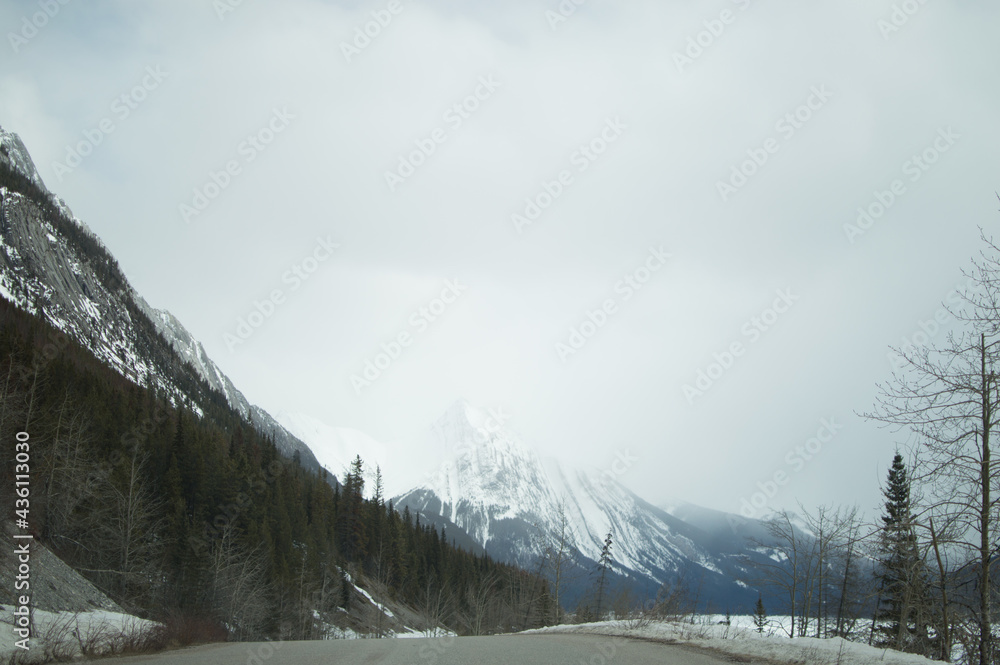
(381,576)
(434,605)
(132,524)
(949,398)
(784,571)
(559,555)
(68,472)
(835,534)
(480,598)
(240,593)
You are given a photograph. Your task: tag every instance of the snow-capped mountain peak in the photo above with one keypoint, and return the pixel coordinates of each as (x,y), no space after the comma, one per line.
(486,468)
(335,447)
(516,504)
(15,154)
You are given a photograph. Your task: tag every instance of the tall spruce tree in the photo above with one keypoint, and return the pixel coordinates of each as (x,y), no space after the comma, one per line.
(902,578)
(352,509)
(759,615)
(602,569)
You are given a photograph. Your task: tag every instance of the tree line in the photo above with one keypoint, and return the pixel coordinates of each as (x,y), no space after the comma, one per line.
(920,579)
(175,514)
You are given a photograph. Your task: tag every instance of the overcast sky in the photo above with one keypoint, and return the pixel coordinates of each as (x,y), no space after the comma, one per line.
(627,123)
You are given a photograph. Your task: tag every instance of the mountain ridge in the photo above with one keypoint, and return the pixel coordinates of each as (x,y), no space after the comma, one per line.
(493,493)
(513,502)
(54,266)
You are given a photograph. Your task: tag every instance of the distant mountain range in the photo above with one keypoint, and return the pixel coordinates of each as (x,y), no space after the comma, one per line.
(514,504)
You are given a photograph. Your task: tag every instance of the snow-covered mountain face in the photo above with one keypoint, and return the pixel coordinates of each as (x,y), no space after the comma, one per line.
(14,154)
(52,265)
(515,505)
(336,447)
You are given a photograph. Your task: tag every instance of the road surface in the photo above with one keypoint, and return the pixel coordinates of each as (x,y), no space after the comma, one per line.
(540,649)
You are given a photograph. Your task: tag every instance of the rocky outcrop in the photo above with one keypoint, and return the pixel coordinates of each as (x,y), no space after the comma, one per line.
(53,266)
(54,586)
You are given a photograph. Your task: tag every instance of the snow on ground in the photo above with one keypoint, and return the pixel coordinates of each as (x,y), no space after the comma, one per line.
(371,600)
(736,640)
(333,632)
(69,634)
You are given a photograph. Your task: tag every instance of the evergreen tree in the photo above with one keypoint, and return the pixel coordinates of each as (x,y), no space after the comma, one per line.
(345,591)
(759,615)
(602,566)
(352,522)
(902,580)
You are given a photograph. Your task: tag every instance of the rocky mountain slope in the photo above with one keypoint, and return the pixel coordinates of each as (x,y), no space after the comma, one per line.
(516,505)
(52,265)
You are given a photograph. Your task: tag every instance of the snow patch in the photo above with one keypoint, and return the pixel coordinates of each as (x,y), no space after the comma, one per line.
(737,640)
(61,633)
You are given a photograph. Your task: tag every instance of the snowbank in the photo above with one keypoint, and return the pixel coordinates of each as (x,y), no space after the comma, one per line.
(64,635)
(742,641)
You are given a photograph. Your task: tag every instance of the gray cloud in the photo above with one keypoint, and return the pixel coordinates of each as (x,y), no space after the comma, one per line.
(451,219)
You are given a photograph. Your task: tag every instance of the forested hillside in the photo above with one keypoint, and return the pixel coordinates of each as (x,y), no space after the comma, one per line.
(176,515)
